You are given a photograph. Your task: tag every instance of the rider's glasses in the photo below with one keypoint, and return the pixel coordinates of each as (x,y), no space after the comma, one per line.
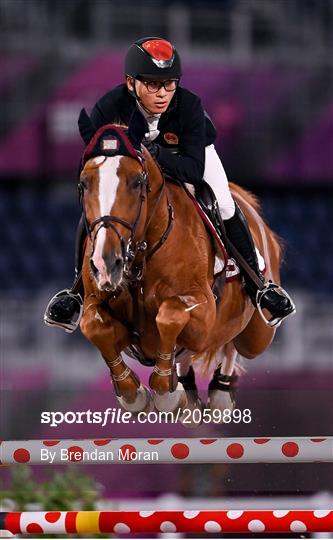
(155,86)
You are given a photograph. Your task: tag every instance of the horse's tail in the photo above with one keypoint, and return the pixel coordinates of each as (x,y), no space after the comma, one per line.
(208,361)
(247,195)
(249,199)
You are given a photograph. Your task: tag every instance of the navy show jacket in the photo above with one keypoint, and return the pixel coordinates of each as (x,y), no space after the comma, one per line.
(185,129)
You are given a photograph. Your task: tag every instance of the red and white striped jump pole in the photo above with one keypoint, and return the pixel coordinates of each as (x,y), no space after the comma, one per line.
(195,450)
(209,521)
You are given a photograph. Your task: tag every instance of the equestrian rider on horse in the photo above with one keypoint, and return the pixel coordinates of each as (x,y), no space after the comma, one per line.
(180,136)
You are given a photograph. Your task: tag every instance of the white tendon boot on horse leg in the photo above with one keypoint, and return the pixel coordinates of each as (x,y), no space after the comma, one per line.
(175,398)
(222,386)
(143,402)
(186,376)
(171,401)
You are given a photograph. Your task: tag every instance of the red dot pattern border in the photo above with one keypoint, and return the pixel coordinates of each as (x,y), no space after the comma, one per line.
(195,450)
(194,521)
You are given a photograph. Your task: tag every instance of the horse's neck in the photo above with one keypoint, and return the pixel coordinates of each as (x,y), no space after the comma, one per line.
(157,213)
(187,226)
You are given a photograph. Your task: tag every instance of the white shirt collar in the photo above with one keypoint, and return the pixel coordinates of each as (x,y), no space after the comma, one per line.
(152,121)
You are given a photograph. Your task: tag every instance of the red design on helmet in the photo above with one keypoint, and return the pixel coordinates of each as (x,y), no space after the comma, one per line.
(159,49)
(153,58)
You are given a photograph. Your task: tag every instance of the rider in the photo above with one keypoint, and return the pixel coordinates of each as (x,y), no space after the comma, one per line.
(180,137)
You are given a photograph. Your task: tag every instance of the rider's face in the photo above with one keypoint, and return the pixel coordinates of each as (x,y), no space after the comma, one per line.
(154,102)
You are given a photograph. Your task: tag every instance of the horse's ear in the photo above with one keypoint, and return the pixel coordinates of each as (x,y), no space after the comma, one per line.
(86,127)
(137,128)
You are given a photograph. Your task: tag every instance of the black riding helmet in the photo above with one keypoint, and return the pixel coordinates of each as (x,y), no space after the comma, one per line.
(152,58)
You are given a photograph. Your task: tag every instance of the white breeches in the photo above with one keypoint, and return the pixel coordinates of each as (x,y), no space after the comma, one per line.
(215,176)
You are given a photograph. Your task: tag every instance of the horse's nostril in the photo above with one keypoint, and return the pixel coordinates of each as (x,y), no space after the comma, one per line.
(113,263)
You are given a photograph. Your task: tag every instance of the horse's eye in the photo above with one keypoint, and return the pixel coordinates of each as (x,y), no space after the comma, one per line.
(136,182)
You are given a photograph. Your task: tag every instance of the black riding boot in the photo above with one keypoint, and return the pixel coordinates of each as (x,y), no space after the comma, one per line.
(273,298)
(65,307)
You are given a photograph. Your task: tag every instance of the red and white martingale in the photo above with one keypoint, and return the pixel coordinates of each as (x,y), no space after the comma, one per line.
(135,451)
(189,521)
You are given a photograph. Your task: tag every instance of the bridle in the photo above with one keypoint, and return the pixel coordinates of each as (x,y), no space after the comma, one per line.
(131,247)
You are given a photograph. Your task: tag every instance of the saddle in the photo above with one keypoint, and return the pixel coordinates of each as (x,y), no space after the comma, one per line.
(205,196)
(225,268)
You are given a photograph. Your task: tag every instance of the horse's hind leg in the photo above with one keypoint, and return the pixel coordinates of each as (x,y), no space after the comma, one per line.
(169,394)
(221,390)
(255,338)
(186,376)
(111,337)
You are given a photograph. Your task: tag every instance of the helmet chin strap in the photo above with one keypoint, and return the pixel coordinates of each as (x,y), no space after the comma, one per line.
(138,100)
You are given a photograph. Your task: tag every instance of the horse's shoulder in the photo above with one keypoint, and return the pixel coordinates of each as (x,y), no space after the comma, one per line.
(179,196)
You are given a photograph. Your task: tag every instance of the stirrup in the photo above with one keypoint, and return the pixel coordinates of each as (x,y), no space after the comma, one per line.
(73,324)
(276,321)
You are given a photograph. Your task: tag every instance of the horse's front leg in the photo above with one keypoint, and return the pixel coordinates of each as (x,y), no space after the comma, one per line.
(111,337)
(171,319)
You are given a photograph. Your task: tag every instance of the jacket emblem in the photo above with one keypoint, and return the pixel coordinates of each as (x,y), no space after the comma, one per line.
(171,138)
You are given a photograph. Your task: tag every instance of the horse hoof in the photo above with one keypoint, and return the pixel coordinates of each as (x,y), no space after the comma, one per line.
(221,401)
(192,417)
(142,403)
(171,401)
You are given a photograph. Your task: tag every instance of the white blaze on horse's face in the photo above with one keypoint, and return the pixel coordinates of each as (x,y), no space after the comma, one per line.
(108,185)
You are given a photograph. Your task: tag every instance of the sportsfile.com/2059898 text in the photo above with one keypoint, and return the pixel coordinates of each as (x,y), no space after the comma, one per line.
(118,416)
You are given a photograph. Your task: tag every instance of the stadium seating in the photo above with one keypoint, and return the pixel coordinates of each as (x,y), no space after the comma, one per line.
(38,229)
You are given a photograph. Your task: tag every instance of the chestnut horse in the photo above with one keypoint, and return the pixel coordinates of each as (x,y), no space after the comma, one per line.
(148,272)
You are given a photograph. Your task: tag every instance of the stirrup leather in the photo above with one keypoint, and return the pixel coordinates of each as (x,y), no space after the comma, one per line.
(71,326)
(273,322)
